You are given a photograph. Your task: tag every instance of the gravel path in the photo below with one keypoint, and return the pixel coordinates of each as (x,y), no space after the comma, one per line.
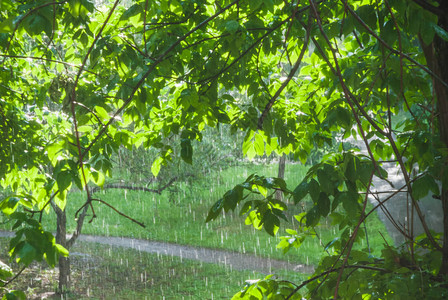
(234,260)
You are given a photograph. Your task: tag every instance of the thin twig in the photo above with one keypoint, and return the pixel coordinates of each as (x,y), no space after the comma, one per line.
(119,212)
(15,277)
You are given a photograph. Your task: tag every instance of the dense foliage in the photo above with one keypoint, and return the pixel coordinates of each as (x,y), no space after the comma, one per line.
(80,80)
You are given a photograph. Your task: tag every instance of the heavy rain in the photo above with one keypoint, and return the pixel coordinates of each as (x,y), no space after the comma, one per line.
(231,149)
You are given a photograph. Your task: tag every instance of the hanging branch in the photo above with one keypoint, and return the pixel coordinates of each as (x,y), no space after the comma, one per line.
(14,278)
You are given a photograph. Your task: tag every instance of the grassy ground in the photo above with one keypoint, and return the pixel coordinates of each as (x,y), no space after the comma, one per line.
(179,217)
(104,273)
(116,273)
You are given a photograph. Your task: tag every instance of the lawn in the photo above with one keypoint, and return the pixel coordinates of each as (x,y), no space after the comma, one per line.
(179,217)
(102,272)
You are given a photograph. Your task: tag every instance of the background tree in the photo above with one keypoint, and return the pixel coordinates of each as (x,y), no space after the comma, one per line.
(80,81)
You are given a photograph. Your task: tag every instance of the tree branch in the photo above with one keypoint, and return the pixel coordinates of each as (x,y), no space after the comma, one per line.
(79,224)
(119,212)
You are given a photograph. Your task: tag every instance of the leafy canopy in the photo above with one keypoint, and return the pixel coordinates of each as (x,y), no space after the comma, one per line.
(80,79)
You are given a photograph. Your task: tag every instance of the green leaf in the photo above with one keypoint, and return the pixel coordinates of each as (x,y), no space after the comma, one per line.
(9,205)
(101,113)
(259,145)
(232,26)
(5,271)
(54,151)
(64,179)
(156,165)
(312,217)
(349,202)
(422,185)
(98,178)
(300,192)
(323,204)
(427,32)
(14,295)
(271,223)
(248,145)
(131,11)
(254,4)
(269,5)
(364,172)
(7,26)
(253,218)
(36,24)
(368,14)
(215,210)
(186,151)
(325,181)
(80,8)
(442,33)
(233,197)
(27,254)
(61,250)
(314,190)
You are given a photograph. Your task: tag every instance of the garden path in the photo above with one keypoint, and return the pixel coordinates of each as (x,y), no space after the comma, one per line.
(234,260)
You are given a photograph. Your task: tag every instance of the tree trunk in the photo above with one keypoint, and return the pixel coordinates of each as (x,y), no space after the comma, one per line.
(281,174)
(437,60)
(64,262)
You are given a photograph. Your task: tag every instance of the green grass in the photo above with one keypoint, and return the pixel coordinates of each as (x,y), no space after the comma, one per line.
(182,220)
(179,217)
(117,273)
